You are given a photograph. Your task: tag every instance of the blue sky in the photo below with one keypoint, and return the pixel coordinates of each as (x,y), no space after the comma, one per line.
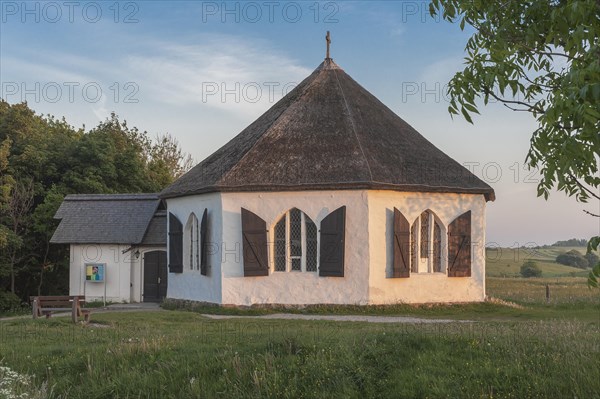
(202,71)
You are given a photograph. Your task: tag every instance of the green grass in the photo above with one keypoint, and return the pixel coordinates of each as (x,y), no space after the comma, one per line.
(181,354)
(518,346)
(506,262)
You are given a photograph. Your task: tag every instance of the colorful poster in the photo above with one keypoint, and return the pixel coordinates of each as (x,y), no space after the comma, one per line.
(94,272)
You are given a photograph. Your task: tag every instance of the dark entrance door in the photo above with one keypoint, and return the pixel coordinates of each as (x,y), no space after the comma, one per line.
(155,276)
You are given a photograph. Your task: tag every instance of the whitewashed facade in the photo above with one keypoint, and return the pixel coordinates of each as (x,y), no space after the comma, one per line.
(368,256)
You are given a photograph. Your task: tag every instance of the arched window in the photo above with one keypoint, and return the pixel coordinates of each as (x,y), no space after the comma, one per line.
(295,243)
(192,243)
(426,246)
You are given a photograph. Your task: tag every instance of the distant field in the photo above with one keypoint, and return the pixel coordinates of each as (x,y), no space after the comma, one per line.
(506,262)
(563,290)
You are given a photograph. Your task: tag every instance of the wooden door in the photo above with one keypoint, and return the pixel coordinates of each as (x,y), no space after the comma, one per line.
(155,276)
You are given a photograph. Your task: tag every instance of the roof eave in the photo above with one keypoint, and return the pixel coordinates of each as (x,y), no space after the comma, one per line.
(488,193)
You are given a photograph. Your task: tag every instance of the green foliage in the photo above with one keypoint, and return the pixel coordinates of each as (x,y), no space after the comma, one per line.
(42,159)
(592,259)
(573,242)
(9,301)
(541,57)
(594,276)
(530,269)
(573,258)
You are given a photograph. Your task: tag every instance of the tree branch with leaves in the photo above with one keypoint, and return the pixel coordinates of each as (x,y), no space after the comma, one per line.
(540,57)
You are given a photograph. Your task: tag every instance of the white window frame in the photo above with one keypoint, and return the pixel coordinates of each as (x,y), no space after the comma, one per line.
(425,265)
(303,243)
(192,243)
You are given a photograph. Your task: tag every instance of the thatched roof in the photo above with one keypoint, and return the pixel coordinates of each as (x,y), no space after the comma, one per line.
(328,133)
(110,219)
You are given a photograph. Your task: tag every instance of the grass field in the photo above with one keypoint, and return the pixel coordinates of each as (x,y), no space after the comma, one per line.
(515,346)
(506,262)
(175,354)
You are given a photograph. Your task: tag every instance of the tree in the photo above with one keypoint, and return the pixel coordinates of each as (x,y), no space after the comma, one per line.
(573,258)
(592,259)
(6,182)
(42,159)
(573,242)
(541,57)
(19,204)
(530,269)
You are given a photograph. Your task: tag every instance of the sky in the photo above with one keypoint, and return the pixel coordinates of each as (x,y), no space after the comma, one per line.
(204,70)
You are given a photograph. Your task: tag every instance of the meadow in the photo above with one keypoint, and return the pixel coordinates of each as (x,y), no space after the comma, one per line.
(514,346)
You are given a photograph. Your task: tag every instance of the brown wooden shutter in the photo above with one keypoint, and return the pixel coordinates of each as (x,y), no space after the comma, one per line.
(459,246)
(401,267)
(175,244)
(204,243)
(333,231)
(254,234)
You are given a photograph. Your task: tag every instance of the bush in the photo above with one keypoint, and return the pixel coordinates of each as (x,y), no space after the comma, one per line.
(530,269)
(9,301)
(592,259)
(573,258)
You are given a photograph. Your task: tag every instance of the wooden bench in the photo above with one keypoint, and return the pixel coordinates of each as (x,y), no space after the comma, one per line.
(45,305)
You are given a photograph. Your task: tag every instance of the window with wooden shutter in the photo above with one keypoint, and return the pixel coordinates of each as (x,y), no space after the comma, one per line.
(204,244)
(175,245)
(255,251)
(459,246)
(401,265)
(333,230)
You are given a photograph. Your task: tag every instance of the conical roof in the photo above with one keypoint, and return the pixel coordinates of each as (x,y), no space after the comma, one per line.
(329,133)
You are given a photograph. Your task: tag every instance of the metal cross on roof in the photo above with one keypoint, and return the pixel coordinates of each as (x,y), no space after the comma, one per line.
(328,39)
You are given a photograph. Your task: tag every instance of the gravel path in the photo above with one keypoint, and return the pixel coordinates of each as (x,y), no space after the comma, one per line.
(152,307)
(366,319)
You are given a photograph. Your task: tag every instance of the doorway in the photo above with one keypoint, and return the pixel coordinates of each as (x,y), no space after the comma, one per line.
(155,276)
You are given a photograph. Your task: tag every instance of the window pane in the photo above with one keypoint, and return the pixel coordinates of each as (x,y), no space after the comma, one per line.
(297,264)
(437,247)
(311,245)
(424,235)
(197,246)
(414,265)
(280,245)
(295,233)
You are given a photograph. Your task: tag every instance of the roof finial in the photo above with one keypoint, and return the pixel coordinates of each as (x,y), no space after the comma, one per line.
(328,39)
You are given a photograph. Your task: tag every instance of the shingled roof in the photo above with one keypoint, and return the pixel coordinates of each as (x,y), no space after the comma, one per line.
(110,219)
(328,133)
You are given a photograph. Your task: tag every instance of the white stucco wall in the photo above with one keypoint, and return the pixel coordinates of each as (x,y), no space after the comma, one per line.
(296,287)
(123,274)
(191,284)
(117,272)
(424,287)
(368,258)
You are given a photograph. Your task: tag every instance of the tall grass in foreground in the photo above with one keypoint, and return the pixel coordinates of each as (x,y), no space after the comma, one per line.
(180,354)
